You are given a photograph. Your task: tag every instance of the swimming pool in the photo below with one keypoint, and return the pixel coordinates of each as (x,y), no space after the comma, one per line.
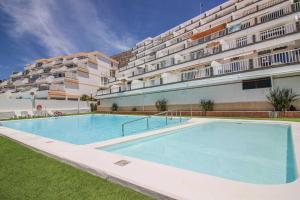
(85,129)
(248,152)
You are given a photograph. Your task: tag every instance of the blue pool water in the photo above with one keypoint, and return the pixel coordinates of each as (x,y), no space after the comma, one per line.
(85,129)
(248,152)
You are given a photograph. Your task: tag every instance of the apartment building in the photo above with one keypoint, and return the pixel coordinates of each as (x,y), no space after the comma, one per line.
(232,54)
(61,77)
(123,58)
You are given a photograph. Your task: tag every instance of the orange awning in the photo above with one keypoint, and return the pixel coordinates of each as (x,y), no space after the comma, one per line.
(208,32)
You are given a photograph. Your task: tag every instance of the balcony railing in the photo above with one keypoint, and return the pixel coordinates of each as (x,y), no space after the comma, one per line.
(241,26)
(71,75)
(269,4)
(274,15)
(57,87)
(260,62)
(219,14)
(240,42)
(276,32)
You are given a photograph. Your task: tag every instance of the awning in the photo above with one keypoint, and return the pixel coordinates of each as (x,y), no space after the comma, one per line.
(208,32)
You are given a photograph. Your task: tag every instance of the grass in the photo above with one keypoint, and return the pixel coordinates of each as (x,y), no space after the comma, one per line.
(26,174)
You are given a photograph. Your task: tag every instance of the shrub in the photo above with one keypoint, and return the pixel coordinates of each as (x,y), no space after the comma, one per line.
(282,99)
(161,105)
(114,107)
(292,108)
(207,105)
(84,97)
(93,107)
(134,109)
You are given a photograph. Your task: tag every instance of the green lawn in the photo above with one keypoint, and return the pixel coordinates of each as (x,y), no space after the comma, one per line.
(26,174)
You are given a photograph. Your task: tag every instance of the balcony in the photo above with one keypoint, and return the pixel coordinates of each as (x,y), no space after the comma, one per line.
(58,79)
(57,87)
(233,44)
(47,79)
(276,32)
(221,69)
(269,4)
(71,77)
(21,82)
(82,68)
(274,15)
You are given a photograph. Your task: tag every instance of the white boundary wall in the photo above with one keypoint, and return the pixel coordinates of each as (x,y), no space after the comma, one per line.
(10,105)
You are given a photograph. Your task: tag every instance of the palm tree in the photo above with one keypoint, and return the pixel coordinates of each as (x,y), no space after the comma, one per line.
(282,99)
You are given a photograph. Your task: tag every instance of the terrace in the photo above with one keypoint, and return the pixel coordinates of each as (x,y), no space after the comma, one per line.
(284,58)
(287,9)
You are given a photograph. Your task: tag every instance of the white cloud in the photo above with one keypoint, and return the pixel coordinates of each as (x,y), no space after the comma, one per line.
(97,26)
(64,27)
(35,17)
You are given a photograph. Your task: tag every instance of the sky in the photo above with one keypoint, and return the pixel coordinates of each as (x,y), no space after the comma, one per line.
(32,29)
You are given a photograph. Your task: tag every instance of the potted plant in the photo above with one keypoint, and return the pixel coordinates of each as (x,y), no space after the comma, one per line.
(207,105)
(161,105)
(114,107)
(282,99)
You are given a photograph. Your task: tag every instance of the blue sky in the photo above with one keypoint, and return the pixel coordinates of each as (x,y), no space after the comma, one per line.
(31,29)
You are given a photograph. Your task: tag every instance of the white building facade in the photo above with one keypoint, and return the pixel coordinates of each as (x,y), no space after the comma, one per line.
(232,54)
(61,77)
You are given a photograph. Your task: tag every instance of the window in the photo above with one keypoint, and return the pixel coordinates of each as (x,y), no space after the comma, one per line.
(257,83)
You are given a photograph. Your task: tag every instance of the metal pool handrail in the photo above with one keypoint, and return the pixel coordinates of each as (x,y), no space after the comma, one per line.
(147,119)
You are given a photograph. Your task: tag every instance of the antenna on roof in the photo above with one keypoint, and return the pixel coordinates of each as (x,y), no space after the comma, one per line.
(201,5)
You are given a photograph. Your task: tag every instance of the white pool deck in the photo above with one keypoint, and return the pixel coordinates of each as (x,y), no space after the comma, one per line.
(160,180)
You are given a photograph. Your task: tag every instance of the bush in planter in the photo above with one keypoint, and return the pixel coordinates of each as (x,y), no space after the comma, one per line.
(134,109)
(84,97)
(282,99)
(161,105)
(207,105)
(93,107)
(292,108)
(114,107)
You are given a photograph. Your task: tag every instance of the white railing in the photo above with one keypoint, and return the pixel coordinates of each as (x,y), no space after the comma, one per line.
(71,75)
(274,15)
(269,4)
(162,54)
(286,57)
(123,68)
(149,58)
(240,42)
(137,85)
(176,49)
(236,66)
(276,32)
(225,11)
(275,59)
(58,79)
(153,82)
(57,87)
(115,89)
(196,74)
(245,13)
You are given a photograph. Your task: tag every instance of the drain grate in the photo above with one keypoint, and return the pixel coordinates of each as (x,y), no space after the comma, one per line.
(122,163)
(50,141)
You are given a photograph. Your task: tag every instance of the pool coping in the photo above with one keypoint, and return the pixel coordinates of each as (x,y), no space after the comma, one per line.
(159,180)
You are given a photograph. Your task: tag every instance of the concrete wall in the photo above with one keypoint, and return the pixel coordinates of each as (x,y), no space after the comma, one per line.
(227,97)
(9,105)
